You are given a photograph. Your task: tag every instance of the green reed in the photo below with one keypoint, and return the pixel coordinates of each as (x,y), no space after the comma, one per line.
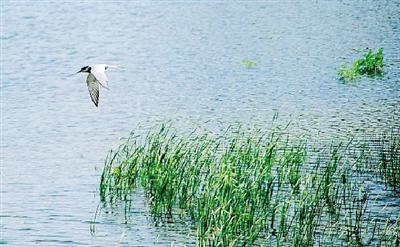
(251,187)
(389,154)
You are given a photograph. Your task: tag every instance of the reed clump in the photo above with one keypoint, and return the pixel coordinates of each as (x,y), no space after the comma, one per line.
(249,187)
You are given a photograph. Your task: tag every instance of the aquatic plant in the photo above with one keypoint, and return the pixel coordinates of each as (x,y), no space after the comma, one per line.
(249,63)
(258,187)
(389,157)
(371,65)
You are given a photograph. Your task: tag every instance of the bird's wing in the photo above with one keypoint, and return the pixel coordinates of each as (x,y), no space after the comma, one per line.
(93,86)
(99,72)
(112,66)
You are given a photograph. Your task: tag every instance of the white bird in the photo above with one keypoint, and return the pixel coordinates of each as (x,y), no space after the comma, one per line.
(97,76)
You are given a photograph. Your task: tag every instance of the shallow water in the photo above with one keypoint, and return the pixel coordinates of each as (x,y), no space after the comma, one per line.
(182,60)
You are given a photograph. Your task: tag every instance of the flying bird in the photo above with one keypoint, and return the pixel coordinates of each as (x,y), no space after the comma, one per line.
(97,76)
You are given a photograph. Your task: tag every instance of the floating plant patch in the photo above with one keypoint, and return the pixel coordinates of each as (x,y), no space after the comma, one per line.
(250,63)
(370,65)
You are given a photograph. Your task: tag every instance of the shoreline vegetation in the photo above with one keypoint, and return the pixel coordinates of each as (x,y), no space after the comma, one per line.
(260,186)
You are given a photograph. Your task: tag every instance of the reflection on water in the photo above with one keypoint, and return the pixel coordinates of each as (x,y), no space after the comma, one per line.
(182,60)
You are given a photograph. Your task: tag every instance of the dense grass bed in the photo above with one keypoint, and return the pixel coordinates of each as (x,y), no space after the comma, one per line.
(261,187)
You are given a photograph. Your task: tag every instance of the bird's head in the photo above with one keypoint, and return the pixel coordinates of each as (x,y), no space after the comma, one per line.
(84,69)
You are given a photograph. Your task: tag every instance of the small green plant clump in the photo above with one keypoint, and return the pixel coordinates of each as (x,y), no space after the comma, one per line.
(249,63)
(371,65)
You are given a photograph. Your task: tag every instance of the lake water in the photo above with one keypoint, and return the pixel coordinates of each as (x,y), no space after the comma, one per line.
(182,60)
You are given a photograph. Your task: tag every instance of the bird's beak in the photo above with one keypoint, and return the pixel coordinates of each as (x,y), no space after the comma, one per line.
(78,72)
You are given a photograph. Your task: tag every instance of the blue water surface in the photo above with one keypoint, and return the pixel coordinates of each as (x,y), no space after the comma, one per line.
(183,60)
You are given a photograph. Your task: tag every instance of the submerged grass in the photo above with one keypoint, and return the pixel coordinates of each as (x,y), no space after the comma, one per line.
(253,188)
